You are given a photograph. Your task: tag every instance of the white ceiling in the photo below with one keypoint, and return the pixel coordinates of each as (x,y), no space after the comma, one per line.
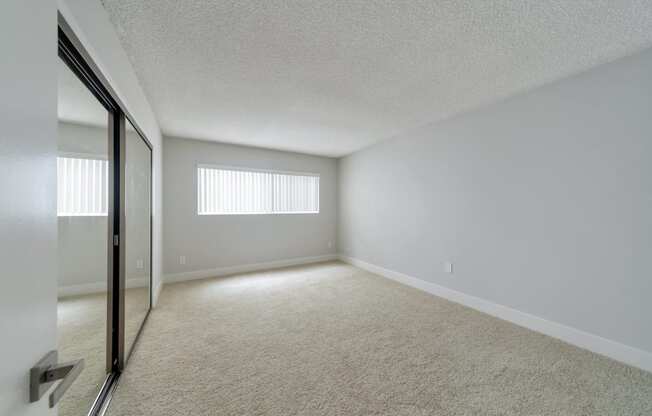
(329,77)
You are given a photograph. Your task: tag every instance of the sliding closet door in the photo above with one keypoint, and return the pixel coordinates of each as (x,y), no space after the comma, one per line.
(83,216)
(104,173)
(138,233)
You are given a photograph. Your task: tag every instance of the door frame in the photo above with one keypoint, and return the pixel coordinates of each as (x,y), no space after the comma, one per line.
(77,58)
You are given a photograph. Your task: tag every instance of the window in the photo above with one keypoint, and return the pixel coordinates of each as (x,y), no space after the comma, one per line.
(225,191)
(82,186)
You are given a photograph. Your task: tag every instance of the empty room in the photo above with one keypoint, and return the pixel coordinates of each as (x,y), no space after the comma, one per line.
(324,208)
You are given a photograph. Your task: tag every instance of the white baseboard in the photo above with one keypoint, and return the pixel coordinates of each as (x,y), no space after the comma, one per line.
(599,345)
(245,268)
(97,287)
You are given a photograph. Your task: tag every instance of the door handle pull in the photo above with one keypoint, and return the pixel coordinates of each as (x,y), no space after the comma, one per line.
(47,371)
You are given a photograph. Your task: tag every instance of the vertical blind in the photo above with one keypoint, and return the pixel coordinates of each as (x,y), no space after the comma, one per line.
(233,191)
(82,186)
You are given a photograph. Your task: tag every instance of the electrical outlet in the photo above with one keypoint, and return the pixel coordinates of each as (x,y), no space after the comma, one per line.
(139,264)
(448,267)
(182,259)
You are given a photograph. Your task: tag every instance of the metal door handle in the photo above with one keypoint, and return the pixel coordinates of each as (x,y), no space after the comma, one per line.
(47,371)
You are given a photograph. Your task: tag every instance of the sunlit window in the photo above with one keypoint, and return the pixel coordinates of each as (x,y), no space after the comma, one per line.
(228,191)
(82,186)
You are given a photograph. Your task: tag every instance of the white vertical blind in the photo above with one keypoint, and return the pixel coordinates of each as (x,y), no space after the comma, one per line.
(229,191)
(296,193)
(82,186)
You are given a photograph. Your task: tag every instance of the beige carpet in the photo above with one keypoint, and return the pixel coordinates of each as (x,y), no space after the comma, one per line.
(81,324)
(330,339)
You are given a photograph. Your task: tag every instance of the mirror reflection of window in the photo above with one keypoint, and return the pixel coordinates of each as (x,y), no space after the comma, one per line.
(83,186)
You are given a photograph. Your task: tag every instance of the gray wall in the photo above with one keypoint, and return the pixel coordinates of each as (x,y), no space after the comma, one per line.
(214,241)
(543,202)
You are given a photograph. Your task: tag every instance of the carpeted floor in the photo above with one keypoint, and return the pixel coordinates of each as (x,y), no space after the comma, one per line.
(81,324)
(330,339)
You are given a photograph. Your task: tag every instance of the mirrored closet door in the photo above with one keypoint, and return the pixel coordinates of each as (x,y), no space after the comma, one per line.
(138,233)
(104,209)
(83,239)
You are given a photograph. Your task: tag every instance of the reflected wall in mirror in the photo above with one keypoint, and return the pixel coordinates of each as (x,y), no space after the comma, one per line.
(138,197)
(82,215)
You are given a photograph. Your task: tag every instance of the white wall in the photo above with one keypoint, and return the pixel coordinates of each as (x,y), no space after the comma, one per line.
(91,24)
(28,228)
(137,201)
(543,203)
(214,241)
(82,139)
(82,241)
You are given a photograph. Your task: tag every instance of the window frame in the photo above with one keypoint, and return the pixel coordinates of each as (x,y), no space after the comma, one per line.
(254,170)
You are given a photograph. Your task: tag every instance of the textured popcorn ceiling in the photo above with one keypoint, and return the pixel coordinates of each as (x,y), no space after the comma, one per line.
(332,76)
